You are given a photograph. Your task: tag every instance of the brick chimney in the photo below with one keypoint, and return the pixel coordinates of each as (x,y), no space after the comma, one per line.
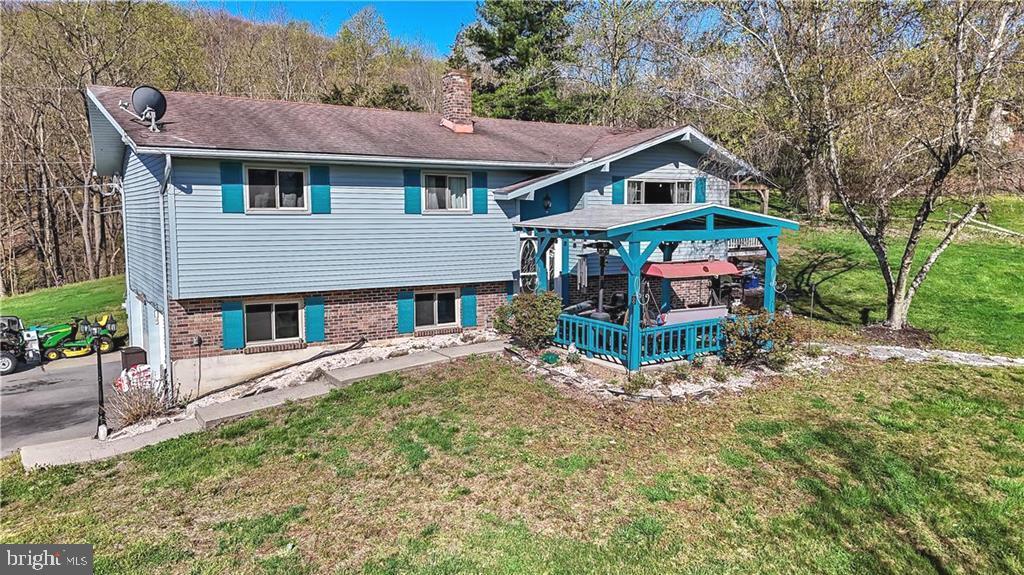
(457,102)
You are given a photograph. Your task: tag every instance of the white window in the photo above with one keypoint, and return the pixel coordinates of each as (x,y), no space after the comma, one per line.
(436,309)
(272,321)
(659,192)
(269,188)
(445,192)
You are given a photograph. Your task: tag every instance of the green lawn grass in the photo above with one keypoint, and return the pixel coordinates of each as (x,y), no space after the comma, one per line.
(60,304)
(970,301)
(477,467)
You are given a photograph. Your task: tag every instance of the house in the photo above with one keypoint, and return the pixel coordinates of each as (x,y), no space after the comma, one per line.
(259,231)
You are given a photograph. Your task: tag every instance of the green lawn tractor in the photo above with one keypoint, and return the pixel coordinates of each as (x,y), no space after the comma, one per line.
(61,340)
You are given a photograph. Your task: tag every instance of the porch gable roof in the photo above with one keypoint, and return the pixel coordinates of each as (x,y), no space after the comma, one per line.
(613,221)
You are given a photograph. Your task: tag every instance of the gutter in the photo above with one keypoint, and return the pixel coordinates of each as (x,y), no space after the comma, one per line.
(163,268)
(343,158)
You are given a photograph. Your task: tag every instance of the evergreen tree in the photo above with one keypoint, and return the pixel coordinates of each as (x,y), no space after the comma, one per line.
(523,42)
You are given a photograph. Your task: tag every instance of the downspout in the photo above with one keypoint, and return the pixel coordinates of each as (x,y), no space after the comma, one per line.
(164,265)
(119,183)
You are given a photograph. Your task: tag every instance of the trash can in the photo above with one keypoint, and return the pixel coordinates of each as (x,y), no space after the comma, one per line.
(132,356)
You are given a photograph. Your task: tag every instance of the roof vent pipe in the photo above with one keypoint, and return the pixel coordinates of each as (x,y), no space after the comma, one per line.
(457,101)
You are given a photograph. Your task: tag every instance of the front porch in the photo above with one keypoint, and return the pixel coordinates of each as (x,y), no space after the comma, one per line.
(635,232)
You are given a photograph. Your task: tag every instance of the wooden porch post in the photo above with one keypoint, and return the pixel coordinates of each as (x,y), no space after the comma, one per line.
(771,262)
(635,310)
(541,263)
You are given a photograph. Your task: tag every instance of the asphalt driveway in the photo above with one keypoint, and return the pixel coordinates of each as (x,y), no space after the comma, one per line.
(53,402)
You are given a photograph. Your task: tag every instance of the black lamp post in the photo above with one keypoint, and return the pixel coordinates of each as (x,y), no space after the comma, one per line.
(101,415)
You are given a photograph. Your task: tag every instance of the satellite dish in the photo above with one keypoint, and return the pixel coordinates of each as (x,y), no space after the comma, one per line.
(149,98)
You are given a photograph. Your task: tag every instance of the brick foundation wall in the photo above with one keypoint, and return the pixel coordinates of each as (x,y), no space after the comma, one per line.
(348,316)
(688,292)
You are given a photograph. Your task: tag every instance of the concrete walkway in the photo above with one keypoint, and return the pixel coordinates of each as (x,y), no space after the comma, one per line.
(85,450)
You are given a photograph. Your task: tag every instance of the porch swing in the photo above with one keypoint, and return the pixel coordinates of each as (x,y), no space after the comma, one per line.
(662,313)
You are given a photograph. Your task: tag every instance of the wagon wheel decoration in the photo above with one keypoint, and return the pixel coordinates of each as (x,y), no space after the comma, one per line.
(528,265)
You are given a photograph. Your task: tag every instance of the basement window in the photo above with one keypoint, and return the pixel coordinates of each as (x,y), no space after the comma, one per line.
(272,321)
(436,309)
(270,189)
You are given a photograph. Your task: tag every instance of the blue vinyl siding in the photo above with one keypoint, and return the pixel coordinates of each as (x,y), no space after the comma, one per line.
(668,161)
(468,305)
(366,241)
(142,176)
(232,319)
(314,317)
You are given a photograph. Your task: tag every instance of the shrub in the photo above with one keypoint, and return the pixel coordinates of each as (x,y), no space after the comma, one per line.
(756,338)
(573,358)
(529,318)
(681,371)
(637,381)
(720,373)
(134,404)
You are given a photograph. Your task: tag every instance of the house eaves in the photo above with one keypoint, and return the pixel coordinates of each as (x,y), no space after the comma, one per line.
(687,135)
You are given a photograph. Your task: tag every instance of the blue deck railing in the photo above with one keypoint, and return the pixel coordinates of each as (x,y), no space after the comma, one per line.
(592,336)
(683,340)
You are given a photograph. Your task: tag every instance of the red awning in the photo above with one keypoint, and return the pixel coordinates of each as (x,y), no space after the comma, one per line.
(683,270)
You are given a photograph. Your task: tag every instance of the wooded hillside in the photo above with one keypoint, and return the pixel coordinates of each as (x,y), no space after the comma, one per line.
(874,104)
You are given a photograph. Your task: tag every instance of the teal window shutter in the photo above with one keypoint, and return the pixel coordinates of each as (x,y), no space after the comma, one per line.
(320,189)
(232,320)
(618,190)
(406,312)
(314,319)
(479,192)
(510,289)
(413,194)
(700,190)
(469,307)
(232,196)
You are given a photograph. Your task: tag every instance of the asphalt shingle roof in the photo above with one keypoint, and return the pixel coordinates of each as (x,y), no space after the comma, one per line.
(203,121)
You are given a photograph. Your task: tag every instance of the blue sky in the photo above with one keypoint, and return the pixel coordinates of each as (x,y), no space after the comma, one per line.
(433,23)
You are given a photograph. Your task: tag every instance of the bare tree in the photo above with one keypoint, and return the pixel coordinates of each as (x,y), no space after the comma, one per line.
(923,135)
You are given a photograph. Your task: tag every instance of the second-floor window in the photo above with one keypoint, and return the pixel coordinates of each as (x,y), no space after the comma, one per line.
(446,193)
(269,188)
(645,192)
